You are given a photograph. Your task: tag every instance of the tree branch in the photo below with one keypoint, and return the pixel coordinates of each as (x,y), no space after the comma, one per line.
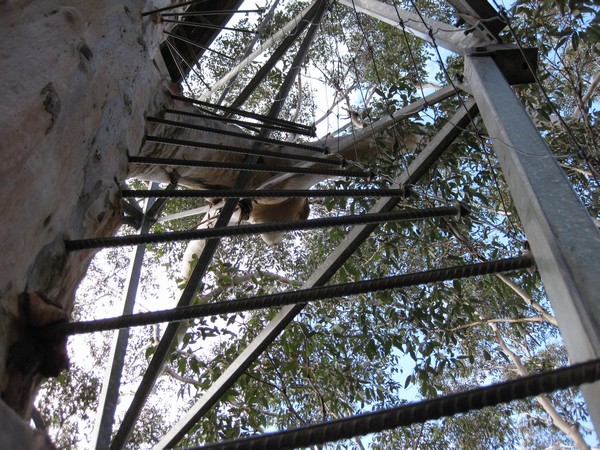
(527,298)
(577,169)
(283,390)
(265,275)
(490,321)
(593,85)
(571,431)
(171,372)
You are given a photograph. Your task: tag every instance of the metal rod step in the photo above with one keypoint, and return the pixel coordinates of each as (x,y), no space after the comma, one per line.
(291,297)
(291,225)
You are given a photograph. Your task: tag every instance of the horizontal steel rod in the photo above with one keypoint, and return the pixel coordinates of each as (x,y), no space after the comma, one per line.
(245,151)
(253,193)
(243,113)
(296,129)
(177,123)
(432,409)
(214,13)
(175,6)
(195,44)
(287,225)
(206,25)
(290,297)
(250,167)
(173,49)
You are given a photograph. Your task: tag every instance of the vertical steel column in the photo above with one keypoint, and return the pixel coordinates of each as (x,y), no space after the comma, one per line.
(112,381)
(564,240)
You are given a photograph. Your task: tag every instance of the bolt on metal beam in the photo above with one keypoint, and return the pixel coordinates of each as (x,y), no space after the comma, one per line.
(484,19)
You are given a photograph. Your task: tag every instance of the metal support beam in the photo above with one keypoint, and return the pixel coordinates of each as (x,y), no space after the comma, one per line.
(484,19)
(109,396)
(445,35)
(259,33)
(281,50)
(284,31)
(322,275)
(563,237)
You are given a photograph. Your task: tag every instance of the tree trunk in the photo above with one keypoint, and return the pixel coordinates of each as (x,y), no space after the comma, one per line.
(77,82)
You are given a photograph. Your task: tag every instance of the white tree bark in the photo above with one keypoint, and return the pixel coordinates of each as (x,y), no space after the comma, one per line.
(77,81)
